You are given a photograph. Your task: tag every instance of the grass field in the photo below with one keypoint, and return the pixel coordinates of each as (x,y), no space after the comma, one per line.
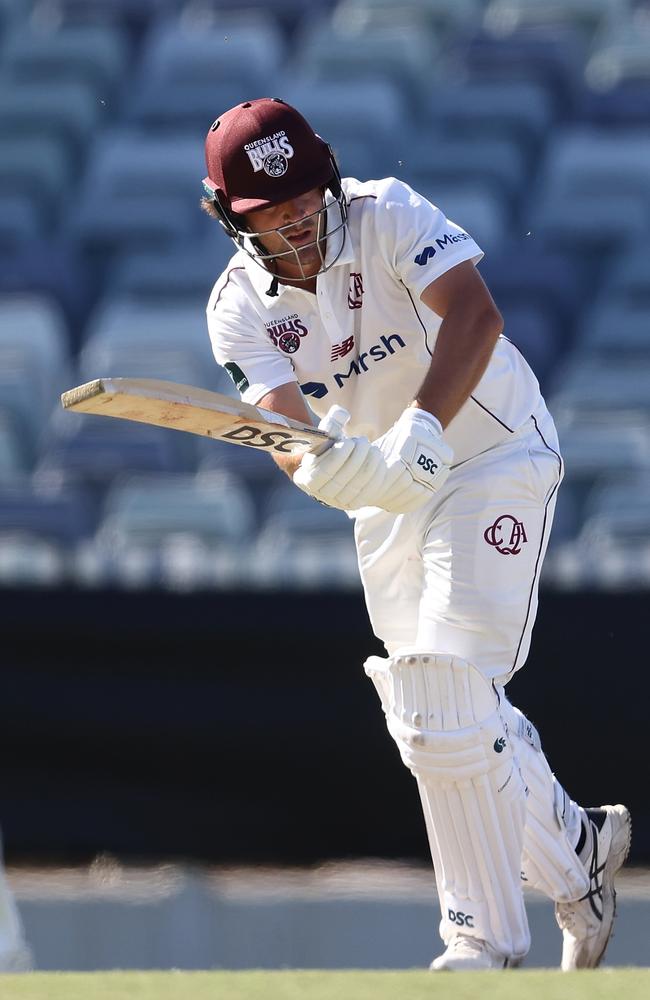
(633,984)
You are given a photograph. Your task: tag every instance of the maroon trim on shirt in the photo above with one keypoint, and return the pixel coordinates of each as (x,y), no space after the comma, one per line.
(493,415)
(539,551)
(225,283)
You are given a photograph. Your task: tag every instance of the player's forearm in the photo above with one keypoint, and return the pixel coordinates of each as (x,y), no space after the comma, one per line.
(465,343)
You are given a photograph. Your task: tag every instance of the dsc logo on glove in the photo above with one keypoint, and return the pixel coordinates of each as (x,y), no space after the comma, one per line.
(427,463)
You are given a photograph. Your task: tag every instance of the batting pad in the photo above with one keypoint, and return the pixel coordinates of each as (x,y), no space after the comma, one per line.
(444,716)
(549,862)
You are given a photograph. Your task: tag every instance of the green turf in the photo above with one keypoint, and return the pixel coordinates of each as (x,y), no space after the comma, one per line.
(632,984)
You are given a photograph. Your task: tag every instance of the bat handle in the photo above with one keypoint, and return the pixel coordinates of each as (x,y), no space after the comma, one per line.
(333,424)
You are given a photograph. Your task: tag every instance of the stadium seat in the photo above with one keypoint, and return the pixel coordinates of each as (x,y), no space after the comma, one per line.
(519,110)
(139,191)
(615,330)
(62,516)
(534,332)
(246,47)
(586,16)
(27,395)
(39,168)
(35,323)
(304,543)
(66,110)
(162,340)
(96,55)
(623,55)
(143,510)
(589,225)
(628,277)
(91,451)
(586,161)
(626,104)
(554,60)
(523,272)
(186,272)
(169,106)
(583,385)
(14,461)
(54,269)
(378,116)
(497,163)
(405,55)
(20,220)
(258,471)
(625,439)
(445,18)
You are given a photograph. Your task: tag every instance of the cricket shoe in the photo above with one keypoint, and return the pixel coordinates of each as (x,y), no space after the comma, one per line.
(468,954)
(587,923)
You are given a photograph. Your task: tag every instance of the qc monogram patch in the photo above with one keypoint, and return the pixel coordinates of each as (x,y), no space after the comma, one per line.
(506,535)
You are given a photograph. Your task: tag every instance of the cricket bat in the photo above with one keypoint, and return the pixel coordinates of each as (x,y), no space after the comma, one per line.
(197,411)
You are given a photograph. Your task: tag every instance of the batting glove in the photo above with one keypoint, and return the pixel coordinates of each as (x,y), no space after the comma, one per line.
(354,473)
(415,440)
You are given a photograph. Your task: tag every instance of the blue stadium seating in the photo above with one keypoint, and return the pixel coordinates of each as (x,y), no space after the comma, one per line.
(615,329)
(65,110)
(248,49)
(521,110)
(162,340)
(87,451)
(526,122)
(97,55)
(39,168)
(20,220)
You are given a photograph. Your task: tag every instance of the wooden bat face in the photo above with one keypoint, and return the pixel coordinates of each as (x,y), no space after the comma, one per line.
(197,411)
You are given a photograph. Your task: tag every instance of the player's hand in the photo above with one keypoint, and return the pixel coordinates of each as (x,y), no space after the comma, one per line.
(348,472)
(354,473)
(415,441)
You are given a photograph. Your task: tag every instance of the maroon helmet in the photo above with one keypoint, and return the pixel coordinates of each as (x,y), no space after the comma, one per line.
(262,153)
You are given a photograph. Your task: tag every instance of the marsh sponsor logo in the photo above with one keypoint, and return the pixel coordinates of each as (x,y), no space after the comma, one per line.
(447,240)
(385,347)
(270,154)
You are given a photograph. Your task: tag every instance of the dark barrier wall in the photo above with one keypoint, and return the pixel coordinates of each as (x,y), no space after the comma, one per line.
(241,727)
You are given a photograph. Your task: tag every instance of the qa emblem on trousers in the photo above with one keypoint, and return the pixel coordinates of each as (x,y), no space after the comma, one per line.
(507,535)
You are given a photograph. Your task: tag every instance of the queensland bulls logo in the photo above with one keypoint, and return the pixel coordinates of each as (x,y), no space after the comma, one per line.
(286,333)
(507,535)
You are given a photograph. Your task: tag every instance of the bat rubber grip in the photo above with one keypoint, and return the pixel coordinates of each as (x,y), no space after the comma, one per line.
(335,421)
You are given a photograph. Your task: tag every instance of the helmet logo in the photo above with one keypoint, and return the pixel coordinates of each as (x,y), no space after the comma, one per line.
(275,164)
(270,154)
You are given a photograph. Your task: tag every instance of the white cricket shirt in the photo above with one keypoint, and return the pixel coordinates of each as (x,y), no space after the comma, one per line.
(365,339)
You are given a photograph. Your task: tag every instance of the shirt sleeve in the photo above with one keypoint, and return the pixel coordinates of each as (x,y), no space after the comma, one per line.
(421,243)
(241,346)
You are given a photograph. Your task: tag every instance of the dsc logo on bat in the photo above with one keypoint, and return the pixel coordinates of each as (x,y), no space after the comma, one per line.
(281,441)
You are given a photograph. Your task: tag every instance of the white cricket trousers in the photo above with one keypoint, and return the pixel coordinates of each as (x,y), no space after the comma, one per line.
(461,574)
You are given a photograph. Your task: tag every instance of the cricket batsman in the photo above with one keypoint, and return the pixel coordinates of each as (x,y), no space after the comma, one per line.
(362,298)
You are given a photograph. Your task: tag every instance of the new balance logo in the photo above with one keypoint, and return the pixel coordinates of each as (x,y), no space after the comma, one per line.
(340,350)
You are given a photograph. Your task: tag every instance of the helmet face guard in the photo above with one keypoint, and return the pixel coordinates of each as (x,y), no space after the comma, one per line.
(261,154)
(326,230)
